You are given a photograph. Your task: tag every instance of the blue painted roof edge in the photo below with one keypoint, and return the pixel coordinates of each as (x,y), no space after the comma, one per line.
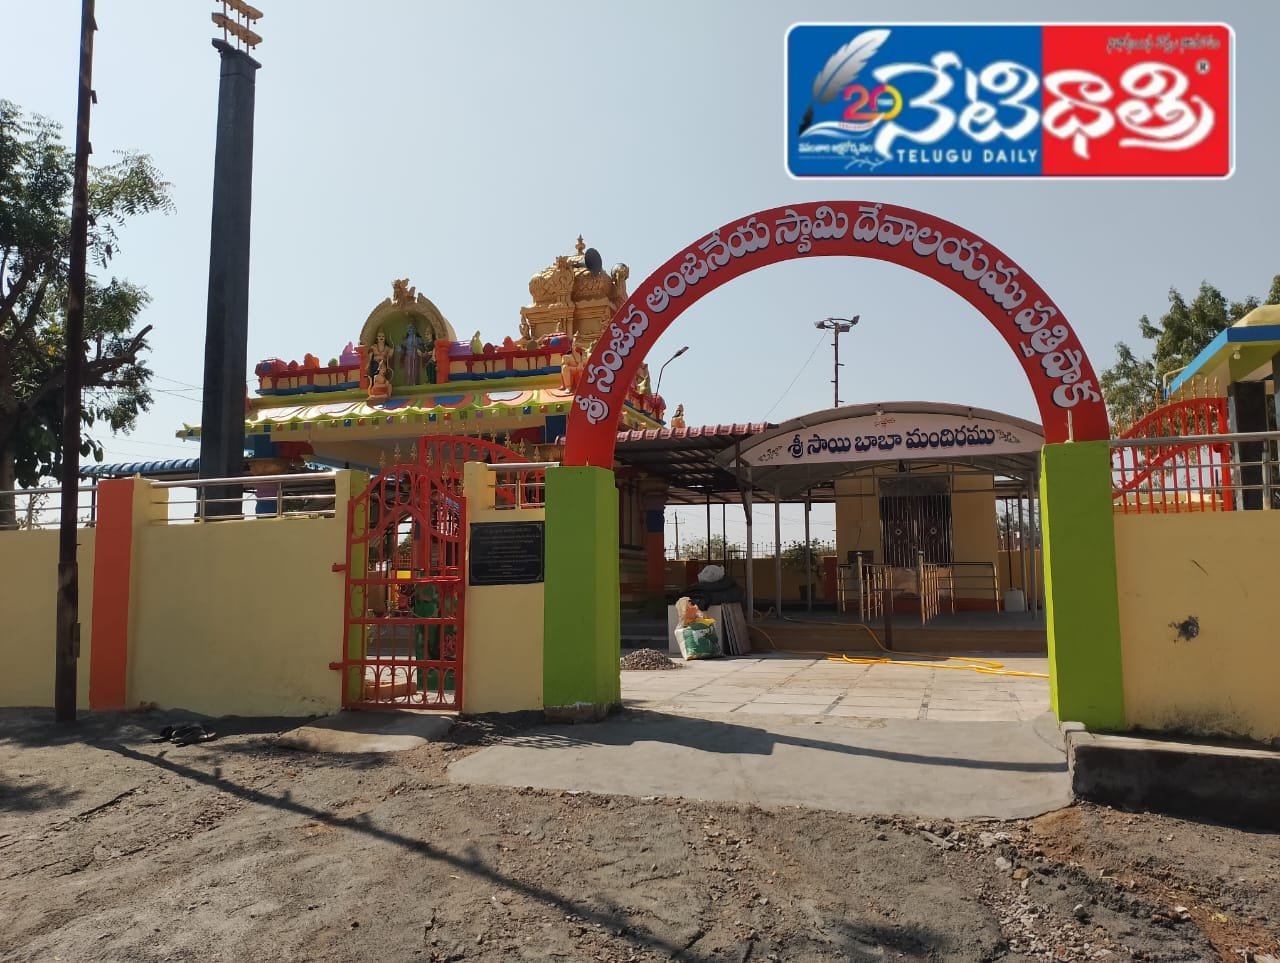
(1237,335)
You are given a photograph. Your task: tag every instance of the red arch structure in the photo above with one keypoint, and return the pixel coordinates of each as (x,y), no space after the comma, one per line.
(1054,361)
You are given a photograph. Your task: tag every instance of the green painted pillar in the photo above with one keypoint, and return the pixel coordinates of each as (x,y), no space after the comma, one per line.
(1086,682)
(582,630)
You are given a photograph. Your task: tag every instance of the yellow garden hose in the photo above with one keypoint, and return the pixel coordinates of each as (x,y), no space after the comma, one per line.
(983,666)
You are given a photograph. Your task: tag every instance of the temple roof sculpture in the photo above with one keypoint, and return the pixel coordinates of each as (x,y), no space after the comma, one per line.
(404,305)
(575,295)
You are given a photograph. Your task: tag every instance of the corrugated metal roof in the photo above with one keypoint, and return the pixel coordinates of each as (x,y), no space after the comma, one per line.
(686,457)
(127,469)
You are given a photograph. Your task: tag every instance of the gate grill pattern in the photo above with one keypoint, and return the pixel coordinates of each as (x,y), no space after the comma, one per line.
(1175,478)
(406,542)
(915,516)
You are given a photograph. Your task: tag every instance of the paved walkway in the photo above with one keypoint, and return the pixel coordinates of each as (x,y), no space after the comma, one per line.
(776,730)
(807,687)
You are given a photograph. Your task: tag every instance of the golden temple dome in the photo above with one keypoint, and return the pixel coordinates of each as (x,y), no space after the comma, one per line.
(575,295)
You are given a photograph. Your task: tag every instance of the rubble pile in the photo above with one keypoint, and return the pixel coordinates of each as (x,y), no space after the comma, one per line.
(648,659)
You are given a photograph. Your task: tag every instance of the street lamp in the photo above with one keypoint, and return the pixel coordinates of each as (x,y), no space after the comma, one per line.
(837,326)
(657,389)
(239,24)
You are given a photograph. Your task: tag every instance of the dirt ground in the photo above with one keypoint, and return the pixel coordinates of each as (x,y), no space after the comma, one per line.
(113,847)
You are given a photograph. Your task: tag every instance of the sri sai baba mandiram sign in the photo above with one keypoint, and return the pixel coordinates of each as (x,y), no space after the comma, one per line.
(996,100)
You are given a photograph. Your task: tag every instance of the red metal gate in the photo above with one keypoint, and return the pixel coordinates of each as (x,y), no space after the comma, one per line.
(406,565)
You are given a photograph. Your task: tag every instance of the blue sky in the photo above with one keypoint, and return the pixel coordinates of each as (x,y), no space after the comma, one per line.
(463,145)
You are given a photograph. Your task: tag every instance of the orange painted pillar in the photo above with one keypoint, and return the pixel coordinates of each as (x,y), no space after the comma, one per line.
(112,568)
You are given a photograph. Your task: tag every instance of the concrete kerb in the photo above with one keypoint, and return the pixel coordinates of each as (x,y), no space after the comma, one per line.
(1222,784)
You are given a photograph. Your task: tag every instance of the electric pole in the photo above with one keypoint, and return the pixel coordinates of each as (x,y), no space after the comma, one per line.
(67,642)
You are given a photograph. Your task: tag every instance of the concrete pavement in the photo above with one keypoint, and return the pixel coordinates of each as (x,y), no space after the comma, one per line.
(779,730)
(815,687)
(961,770)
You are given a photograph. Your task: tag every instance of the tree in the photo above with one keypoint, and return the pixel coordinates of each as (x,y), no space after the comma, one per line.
(1134,382)
(697,548)
(35,232)
(807,563)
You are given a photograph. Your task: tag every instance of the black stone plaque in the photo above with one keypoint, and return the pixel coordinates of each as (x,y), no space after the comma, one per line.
(507,553)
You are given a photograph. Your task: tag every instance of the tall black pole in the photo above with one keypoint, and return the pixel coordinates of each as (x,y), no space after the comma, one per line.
(835,341)
(227,322)
(67,645)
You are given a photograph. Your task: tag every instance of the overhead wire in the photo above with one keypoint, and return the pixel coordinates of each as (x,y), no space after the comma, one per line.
(802,370)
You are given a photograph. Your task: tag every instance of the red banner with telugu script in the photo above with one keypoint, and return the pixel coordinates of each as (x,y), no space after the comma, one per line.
(1137,100)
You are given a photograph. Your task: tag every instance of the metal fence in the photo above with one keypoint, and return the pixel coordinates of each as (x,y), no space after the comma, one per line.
(520,485)
(307,495)
(1183,474)
(41,508)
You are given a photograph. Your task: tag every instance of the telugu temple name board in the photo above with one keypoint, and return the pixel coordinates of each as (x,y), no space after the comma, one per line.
(895,435)
(507,553)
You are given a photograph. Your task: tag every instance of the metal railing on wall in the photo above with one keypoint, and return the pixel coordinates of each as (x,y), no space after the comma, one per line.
(41,508)
(1183,474)
(520,485)
(308,495)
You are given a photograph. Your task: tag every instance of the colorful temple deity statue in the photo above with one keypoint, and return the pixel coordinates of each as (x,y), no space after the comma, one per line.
(381,355)
(571,364)
(527,341)
(642,381)
(677,420)
(477,344)
(415,354)
(402,294)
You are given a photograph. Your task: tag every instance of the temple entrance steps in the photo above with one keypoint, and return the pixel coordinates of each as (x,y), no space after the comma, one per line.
(942,635)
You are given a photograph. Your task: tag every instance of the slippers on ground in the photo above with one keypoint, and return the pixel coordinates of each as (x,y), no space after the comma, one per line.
(185,735)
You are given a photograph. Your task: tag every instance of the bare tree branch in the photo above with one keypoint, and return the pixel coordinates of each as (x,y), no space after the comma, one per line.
(96,369)
(10,297)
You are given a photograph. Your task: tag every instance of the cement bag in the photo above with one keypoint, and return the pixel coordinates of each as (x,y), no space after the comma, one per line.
(698,640)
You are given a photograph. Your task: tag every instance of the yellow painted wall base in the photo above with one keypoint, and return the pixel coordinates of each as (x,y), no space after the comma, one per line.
(29,587)
(1220,569)
(503,624)
(238,617)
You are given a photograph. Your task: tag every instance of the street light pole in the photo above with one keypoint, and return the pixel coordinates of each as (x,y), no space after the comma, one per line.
(837,326)
(658,387)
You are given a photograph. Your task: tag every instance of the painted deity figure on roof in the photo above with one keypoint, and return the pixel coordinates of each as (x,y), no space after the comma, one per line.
(381,355)
(571,364)
(415,353)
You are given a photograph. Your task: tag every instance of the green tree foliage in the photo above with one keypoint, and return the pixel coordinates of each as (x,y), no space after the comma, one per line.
(1135,382)
(36,172)
(796,559)
(697,548)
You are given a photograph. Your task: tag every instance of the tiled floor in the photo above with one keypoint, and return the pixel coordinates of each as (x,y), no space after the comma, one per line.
(809,687)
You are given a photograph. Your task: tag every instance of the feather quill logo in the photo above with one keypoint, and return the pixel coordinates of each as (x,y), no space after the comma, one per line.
(841,69)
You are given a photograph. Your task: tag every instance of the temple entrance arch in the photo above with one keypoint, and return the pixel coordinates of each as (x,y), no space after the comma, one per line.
(1052,357)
